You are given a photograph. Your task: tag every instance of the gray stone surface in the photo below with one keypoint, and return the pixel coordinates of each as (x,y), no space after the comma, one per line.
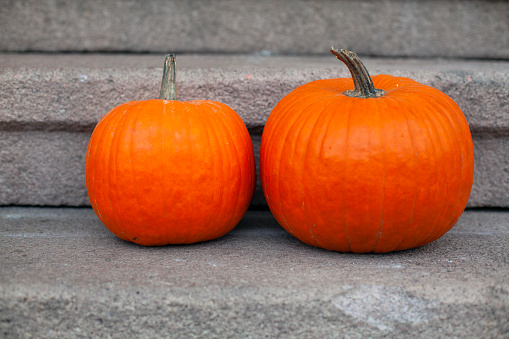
(72,92)
(63,275)
(48,168)
(468,28)
(49,105)
(43,168)
(491,175)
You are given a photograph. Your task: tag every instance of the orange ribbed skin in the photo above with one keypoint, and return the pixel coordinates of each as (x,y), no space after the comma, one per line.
(367,175)
(169,172)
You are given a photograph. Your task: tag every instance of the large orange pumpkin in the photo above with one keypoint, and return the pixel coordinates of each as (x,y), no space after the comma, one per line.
(375,165)
(170,172)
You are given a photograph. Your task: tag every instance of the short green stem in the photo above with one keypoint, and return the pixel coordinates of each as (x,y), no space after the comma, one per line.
(169,85)
(364,87)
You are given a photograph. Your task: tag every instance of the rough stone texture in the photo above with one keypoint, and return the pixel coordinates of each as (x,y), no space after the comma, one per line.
(43,168)
(48,168)
(71,92)
(64,275)
(49,105)
(471,29)
(491,176)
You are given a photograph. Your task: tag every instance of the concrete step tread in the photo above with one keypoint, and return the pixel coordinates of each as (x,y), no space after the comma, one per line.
(235,61)
(64,274)
(74,91)
(467,28)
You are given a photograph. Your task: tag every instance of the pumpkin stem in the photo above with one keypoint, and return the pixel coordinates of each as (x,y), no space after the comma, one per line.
(169,85)
(364,87)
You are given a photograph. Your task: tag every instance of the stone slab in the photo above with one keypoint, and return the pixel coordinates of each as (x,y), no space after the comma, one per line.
(48,168)
(49,105)
(491,174)
(72,92)
(43,168)
(419,28)
(64,275)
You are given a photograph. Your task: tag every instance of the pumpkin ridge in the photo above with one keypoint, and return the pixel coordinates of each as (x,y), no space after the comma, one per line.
(454,126)
(430,124)
(431,104)
(99,150)
(408,111)
(112,163)
(350,104)
(268,145)
(460,130)
(163,184)
(98,142)
(206,123)
(204,120)
(444,195)
(415,181)
(107,162)
(176,132)
(222,202)
(456,130)
(329,113)
(281,116)
(283,112)
(134,120)
(365,193)
(186,114)
(172,226)
(159,110)
(326,133)
(306,152)
(287,132)
(235,150)
(444,122)
(189,238)
(383,144)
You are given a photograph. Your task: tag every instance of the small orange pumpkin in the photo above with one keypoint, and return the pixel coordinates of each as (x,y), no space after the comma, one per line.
(384,167)
(170,172)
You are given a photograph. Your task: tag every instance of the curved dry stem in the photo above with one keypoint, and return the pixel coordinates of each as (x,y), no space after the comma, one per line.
(364,87)
(169,82)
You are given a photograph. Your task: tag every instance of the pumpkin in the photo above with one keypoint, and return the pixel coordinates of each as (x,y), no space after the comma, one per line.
(366,164)
(165,171)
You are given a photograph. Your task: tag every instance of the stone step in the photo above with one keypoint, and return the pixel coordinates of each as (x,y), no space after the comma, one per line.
(64,275)
(417,28)
(76,90)
(49,105)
